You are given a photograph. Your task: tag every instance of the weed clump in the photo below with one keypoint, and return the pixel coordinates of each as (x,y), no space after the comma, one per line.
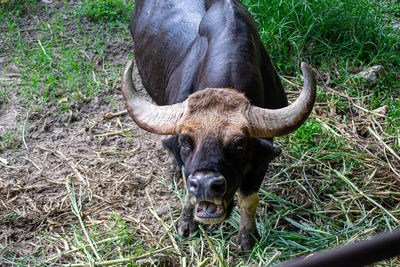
(108,11)
(15,7)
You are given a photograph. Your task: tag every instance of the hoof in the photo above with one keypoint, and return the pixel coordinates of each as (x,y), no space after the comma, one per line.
(246,240)
(187,228)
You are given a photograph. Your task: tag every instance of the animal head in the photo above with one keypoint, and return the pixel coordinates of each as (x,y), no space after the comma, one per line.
(219,138)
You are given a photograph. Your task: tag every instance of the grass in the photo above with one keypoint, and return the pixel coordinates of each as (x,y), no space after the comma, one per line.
(106,11)
(88,243)
(8,141)
(59,65)
(324,33)
(112,243)
(336,181)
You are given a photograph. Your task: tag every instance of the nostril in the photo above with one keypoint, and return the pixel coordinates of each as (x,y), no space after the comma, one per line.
(192,185)
(218,185)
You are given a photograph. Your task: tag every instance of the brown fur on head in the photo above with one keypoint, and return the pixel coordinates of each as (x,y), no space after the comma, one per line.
(260,122)
(215,112)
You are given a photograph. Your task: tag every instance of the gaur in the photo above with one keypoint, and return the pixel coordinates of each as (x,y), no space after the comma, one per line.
(219,96)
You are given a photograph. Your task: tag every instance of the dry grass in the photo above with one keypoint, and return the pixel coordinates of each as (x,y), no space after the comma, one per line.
(81,184)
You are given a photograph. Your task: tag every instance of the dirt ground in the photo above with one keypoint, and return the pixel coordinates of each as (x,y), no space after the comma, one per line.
(102,151)
(83,145)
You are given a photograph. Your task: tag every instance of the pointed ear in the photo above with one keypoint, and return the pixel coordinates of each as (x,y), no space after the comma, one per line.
(266,147)
(172,145)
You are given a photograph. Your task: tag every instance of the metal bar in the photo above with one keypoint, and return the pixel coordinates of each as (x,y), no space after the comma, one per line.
(362,253)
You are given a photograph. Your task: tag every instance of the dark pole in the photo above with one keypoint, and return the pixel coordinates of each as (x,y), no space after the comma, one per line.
(362,253)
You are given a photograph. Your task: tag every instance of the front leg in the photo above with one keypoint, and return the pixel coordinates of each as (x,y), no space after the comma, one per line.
(186,224)
(174,172)
(248,230)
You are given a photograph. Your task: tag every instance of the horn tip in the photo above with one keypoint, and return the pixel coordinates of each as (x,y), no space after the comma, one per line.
(308,73)
(305,66)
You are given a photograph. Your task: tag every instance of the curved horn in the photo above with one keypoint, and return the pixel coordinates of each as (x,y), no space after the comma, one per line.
(268,123)
(150,117)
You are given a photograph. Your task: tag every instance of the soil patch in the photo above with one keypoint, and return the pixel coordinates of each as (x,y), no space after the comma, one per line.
(112,160)
(111,163)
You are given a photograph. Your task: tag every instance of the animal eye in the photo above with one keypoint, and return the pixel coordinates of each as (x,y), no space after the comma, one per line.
(185,144)
(239,144)
(185,149)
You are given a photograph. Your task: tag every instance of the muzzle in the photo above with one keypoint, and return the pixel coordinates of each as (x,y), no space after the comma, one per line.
(206,192)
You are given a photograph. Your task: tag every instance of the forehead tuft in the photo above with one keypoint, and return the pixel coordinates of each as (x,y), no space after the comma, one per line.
(215,112)
(222,99)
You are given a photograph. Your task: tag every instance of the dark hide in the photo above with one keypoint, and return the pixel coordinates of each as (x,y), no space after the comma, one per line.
(182,47)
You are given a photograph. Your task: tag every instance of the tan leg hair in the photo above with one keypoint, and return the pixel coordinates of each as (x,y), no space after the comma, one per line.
(248,207)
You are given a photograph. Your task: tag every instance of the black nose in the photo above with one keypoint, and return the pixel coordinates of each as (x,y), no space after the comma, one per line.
(206,186)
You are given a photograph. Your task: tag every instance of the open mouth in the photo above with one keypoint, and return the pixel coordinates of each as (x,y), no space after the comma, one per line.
(209,210)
